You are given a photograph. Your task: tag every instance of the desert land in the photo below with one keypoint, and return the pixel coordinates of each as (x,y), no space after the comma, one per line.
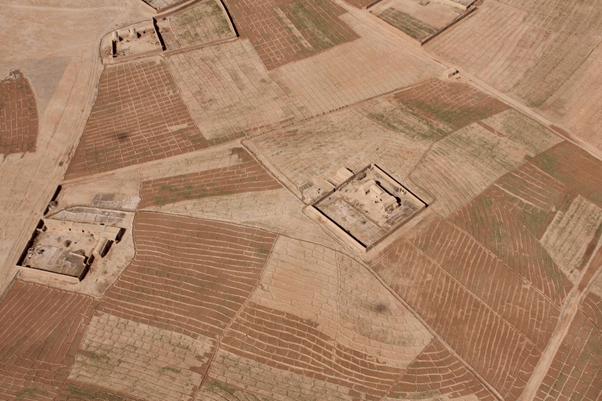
(300,200)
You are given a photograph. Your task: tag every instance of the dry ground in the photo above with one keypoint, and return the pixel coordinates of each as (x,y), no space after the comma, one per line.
(223,288)
(545,53)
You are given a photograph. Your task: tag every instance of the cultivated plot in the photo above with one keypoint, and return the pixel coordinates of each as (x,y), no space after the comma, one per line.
(495,222)
(202,23)
(437,374)
(576,371)
(18,115)
(283,31)
(41,331)
(592,304)
(490,343)
(543,53)
(144,361)
(175,249)
(337,326)
(76,391)
(378,62)
(351,139)
(137,117)
(230,93)
(575,168)
(247,176)
(459,167)
(236,190)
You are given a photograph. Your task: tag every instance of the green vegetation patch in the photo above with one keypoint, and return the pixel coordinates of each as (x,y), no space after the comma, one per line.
(203,23)
(217,386)
(82,393)
(408,122)
(166,369)
(171,194)
(450,114)
(318,23)
(411,26)
(574,167)
(99,357)
(262,250)
(422,395)
(532,136)
(29,393)
(533,219)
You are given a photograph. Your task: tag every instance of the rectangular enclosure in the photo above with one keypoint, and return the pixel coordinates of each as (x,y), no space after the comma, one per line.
(369,206)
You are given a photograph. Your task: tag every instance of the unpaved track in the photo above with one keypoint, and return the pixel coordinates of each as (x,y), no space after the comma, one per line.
(29,180)
(573,301)
(567,314)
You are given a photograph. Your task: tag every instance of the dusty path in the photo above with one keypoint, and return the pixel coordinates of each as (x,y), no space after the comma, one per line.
(567,314)
(29,180)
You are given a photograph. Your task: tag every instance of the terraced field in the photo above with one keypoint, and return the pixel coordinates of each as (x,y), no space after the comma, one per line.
(225,285)
(137,117)
(248,176)
(41,331)
(498,350)
(283,31)
(219,285)
(437,373)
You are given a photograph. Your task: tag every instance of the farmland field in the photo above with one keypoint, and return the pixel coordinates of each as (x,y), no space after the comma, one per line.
(187,187)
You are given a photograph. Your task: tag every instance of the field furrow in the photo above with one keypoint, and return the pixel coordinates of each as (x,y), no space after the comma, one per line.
(138,117)
(247,176)
(487,277)
(463,164)
(437,373)
(493,222)
(40,331)
(496,350)
(576,372)
(189,276)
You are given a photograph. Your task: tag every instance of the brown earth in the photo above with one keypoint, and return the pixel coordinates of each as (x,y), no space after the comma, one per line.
(172,250)
(19,115)
(456,104)
(359,3)
(576,372)
(283,31)
(233,292)
(545,54)
(137,117)
(41,332)
(488,342)
(248,176)
(435,373)
(74,391)
(284,341)
(592,308)
(491,220)
(574,167)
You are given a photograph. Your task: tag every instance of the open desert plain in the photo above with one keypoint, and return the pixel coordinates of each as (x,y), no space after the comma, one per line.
(300,200)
